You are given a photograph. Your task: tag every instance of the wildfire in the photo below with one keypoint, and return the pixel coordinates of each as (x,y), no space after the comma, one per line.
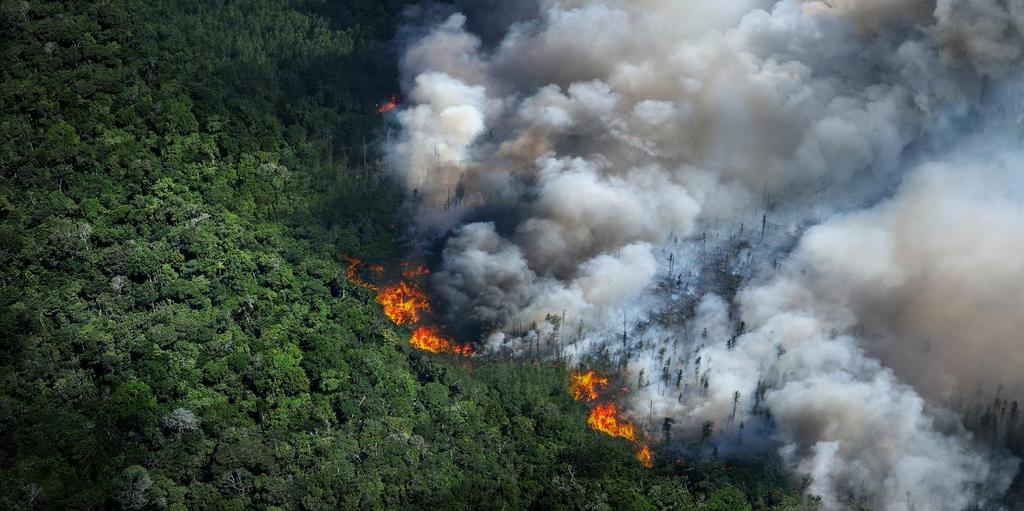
(403,303)
(604,418)
(428,338)
(388,106)
(353,275)
(583,385)
(415,272)
(644,455)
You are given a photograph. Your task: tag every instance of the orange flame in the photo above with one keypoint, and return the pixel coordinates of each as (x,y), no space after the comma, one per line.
(388,106)
(428,338)
(403,302)
(416,271)
(583,385)
(353,276)
(604,418)
(644,455)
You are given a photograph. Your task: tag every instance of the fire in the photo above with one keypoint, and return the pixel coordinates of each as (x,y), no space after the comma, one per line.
(403,303)
(428,338)
(388,106)
(583,385)
(353,275)
(415,272)
(644,455)
(604,418)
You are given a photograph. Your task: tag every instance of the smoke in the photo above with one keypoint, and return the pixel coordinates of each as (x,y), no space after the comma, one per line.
(933,273)
(491,19)
(985,33)
(778,195)
(927,277)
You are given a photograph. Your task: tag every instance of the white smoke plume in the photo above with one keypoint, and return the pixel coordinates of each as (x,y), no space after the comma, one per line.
(721,173)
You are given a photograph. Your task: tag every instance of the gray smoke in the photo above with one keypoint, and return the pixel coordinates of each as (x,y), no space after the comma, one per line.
(722,174)
(925,276)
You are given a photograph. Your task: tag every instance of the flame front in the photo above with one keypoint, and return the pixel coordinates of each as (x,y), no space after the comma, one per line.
(403,303)
(352,273)
(428,338)
(413,272)
(644,455)
(583,385)
(604,418)
(388,106)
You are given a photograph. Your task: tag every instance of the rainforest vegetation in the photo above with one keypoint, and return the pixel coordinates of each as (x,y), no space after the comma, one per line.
(179,184)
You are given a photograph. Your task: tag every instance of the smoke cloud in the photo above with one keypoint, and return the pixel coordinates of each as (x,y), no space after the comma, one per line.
(925,275)
(779,197)
(933,275)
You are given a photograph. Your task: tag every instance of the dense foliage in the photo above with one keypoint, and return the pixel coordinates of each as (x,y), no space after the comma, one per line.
(179,181)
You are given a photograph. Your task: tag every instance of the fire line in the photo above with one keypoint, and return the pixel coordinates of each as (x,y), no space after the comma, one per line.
(406,303)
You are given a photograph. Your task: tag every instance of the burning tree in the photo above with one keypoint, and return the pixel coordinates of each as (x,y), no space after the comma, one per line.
(583,385)
(406,303)
(403,303)
(388,105)
(604,417)
(429,338)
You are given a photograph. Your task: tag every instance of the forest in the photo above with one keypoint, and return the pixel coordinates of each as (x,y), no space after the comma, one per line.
(180,185)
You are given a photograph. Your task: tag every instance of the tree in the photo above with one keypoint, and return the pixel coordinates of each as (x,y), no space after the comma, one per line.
(735,401)
(135,483)
(180,420)
(706,430)
(727,498)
